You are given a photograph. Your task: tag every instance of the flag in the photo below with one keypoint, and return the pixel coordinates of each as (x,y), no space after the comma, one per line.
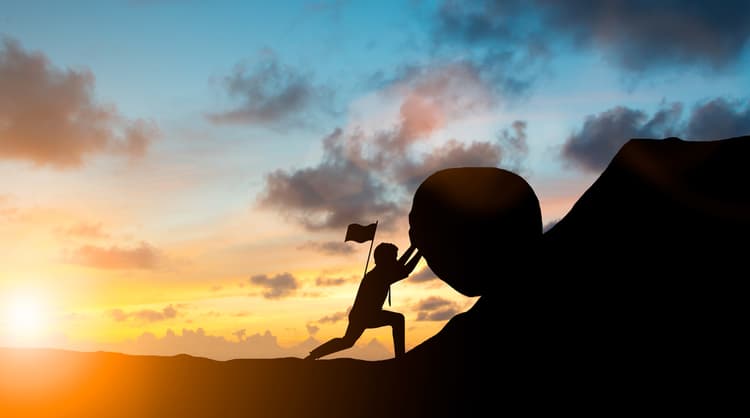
(359,233)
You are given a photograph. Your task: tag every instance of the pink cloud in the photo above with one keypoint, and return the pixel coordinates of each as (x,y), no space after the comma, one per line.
(144,256)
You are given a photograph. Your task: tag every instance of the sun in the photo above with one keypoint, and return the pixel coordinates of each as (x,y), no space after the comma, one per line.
(24,316)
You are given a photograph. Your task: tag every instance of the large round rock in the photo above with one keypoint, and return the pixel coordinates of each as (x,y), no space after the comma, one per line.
(476,225)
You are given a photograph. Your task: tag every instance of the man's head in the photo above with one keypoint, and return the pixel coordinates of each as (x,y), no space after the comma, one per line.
(385,253)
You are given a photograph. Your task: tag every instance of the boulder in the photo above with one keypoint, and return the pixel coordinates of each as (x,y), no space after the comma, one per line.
(473,225)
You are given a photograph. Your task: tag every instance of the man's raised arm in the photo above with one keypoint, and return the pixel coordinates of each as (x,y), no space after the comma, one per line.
(407,267)
(412,263)
(406,255)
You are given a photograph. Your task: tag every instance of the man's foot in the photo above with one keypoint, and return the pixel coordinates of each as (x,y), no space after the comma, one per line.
(311,357)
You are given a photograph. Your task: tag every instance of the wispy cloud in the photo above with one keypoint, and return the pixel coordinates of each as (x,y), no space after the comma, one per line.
(635,36)
(275,287)
(602,135)
(435,308)
(83,230)
(333,318)
(333,281)
(273,94)
(328,247)
(593,145)
(423,275)
(144,315)
(143,256)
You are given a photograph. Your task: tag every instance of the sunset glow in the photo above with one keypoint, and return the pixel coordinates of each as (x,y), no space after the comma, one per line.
(24,318)
(178,176)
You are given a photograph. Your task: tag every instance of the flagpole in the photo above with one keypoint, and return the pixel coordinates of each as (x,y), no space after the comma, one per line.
(370,251)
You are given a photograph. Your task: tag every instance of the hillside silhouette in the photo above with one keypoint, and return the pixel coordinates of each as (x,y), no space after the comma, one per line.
(632,302)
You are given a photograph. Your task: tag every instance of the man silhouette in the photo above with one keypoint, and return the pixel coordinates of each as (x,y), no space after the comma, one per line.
(367,311)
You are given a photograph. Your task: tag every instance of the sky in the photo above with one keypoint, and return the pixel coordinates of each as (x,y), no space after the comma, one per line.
(177,176)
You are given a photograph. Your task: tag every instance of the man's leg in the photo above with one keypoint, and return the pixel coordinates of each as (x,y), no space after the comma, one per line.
(396,321)
(353,332)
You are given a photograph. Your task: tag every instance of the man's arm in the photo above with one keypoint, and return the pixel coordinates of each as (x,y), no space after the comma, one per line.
(407,268)
(413,263)
(406,255)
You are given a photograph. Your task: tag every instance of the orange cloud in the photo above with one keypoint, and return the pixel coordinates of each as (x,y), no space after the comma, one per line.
(333,318)
(435,308)
(145,315)
(333,281)
(143,256)
(48,116)
(328,247)
(7,211)
(83,230)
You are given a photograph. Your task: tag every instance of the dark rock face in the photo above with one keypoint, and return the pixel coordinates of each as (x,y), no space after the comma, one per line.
(652,252)
(662,199)
(638,290)
(472,222)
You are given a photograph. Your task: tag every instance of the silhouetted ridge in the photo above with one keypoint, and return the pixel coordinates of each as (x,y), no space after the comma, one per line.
(663,200)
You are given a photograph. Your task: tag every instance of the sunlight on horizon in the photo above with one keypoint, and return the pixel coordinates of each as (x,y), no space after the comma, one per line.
(25,319)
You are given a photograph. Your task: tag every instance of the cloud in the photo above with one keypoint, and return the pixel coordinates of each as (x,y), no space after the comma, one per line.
(332,281)
(495,40)
(636,36)
(272,94)
(276,287)
(331,195)
(423,275)
(442,314)
(49,117)
(328,247)
(199,343)
(513,141)
(145,315)
(137,138)
(602,135)
(451,154)
(83,230)
(719,118)
(144,256)
(312,329)
(432,303)
(240,334)
(7,211)
(366,176)
(435,308)
(333,318)
(432,96)
(644,34)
